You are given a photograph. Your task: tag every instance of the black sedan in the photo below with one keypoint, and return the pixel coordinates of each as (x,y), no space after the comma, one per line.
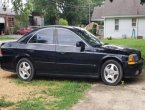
(69,51)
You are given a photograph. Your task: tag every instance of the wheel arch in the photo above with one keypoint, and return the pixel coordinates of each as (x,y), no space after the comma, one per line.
(110,58)
(17,58)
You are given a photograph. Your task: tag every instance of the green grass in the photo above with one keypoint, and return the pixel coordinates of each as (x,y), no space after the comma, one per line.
(4,103)
(6,38)
(64,94)
(35,104)
(133,43)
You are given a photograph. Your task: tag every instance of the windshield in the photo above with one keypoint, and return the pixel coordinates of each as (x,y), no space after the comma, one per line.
(89,38)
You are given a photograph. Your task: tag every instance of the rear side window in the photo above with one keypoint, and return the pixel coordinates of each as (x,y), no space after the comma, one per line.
(43,36)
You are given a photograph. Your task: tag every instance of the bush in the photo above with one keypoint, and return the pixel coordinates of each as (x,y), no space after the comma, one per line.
(109,38)
(94,30)
(63,21)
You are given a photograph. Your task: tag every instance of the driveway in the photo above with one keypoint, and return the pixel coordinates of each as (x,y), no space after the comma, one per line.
(130,96)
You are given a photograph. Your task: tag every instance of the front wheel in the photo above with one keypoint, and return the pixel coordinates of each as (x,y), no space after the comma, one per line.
(111,72)
(25,69)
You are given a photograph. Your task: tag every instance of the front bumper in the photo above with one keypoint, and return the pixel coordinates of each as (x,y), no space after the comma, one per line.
(134,70)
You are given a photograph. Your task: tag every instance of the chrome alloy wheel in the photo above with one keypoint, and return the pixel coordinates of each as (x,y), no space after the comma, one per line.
(111,73)
(24,70)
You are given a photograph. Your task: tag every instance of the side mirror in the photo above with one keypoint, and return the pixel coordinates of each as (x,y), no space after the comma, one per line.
(81,44)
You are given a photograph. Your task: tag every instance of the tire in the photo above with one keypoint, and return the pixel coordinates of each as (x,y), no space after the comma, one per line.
(111,73)
(25,69)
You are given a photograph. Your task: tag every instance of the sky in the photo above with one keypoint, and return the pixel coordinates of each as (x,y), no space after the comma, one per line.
(8,3)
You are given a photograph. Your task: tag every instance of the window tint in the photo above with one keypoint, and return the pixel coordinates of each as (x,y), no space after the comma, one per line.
(67,37)
(43,36)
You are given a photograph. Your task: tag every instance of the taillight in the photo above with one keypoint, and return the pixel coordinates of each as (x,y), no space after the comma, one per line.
(1,52)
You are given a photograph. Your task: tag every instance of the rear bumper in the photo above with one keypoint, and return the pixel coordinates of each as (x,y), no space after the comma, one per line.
(134,70)
(6,64)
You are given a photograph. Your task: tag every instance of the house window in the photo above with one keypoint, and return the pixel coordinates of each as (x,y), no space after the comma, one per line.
(11,22)
(116,24)
(133,21)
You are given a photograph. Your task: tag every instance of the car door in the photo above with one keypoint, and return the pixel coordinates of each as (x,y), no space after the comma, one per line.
(70,60)
(42,49)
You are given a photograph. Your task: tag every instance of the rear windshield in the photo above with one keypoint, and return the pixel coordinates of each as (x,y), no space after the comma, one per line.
(26,37)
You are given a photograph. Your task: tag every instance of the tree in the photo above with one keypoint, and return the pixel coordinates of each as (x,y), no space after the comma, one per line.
(75,11)
(141,1)
(23,11)
(49,9)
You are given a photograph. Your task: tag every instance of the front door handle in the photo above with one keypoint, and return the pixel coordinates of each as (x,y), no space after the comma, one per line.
(30,51)
(62,53)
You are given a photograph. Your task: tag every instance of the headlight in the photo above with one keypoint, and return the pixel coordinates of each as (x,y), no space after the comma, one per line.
(132,59)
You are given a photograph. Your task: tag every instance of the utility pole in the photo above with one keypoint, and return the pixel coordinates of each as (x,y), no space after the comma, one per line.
(89,12)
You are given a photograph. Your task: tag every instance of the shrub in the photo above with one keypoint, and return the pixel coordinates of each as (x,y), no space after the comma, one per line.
(109,38)
(63,21)
(94,30)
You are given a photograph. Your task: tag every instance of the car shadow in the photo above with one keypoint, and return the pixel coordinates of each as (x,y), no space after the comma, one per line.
(59,78)
(132,81)
(137,80)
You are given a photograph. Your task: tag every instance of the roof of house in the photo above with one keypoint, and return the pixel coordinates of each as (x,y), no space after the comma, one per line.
(7,12)
(119,8)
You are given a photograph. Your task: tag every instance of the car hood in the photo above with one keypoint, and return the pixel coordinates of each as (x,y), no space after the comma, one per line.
(120,50)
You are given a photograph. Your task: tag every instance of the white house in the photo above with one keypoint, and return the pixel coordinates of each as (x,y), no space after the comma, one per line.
(122,18)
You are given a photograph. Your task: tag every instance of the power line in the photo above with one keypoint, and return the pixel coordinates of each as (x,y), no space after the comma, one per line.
(70,5)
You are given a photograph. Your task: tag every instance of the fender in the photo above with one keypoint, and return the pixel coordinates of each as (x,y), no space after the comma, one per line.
(109,57)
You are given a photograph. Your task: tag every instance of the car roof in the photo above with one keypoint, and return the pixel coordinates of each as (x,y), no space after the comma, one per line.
(61,26)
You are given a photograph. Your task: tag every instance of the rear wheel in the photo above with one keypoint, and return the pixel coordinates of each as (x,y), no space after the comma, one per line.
(25,69)
(111,72)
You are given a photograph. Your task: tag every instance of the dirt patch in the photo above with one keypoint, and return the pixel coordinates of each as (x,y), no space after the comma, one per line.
(128,97)
(13,92)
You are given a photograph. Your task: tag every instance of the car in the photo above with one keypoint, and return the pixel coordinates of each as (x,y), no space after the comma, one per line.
(69,51)
(23,31)
(26,30)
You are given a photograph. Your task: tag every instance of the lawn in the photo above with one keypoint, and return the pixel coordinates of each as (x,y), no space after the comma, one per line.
(6,38)
(52,94)
(133,43)
(58,95)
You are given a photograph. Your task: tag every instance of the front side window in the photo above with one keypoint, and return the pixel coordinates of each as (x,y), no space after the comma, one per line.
(43,36)
(88,37)
(67,37)
(116,24)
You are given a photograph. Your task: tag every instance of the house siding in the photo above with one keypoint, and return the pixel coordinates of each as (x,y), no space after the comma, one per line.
(125,28)
(141,27)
